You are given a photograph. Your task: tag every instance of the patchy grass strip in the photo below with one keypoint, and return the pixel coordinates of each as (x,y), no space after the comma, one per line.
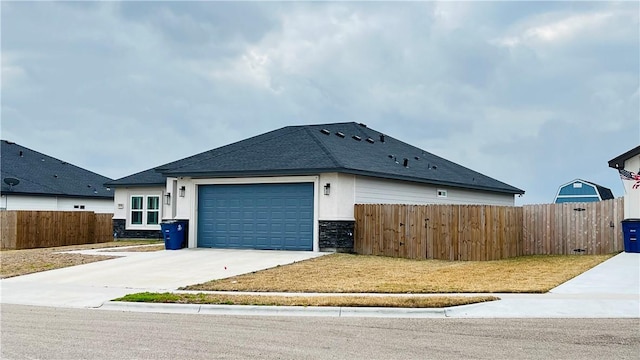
(138,249)
(341,301)
(346,273)
(27,261)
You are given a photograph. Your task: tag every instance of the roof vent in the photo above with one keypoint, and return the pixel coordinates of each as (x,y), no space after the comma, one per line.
(381,137)
(363,125)
(356,137)
(325,131)
(55,176)
(370,140)
(390,156)
(21,154)
(417,157)
(434,167)
(405,163)
(339,134)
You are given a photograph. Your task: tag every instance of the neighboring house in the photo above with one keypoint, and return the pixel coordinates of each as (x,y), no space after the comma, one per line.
(293,188)
(582,191)
(628,166)
(34,181)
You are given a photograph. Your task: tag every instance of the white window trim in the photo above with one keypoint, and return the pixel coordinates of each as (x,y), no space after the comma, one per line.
(441,193)
(144,195)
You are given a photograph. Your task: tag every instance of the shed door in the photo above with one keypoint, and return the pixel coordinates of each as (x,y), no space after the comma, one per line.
(256,216)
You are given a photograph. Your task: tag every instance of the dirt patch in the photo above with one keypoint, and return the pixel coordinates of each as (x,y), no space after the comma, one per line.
(343,273)
(21,262)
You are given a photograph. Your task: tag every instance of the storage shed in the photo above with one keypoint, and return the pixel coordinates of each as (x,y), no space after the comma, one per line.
(582,191)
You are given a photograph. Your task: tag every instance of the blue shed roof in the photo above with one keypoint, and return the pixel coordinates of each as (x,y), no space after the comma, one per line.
(587,191)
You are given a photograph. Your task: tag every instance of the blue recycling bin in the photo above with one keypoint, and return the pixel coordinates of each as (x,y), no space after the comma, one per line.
(173,233)
(631,229)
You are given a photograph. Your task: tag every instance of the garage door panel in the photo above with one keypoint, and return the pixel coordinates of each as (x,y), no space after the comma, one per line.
(256,216)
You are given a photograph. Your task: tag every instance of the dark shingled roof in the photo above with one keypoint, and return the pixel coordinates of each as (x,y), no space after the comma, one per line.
(618,161)
(149,177)
(605,193)
(40,174)
(340,147)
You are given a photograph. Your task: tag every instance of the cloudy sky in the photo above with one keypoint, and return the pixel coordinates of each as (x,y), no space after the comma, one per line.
(533,94)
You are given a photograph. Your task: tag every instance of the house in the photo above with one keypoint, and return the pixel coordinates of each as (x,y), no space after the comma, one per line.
(34,181)
(628,166)
(580,190)
(293,188)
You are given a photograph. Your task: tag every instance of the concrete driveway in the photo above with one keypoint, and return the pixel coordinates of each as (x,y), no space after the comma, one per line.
(90,285)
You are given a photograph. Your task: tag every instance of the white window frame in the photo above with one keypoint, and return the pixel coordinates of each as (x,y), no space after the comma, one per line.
(144,210)
(441,193)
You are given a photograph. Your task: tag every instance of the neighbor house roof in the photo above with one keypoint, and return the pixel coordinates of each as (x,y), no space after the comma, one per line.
(40,174)
(340,147)
(150,177)
(618,161)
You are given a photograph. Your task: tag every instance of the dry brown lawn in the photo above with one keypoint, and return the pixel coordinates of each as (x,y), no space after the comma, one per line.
(343,301)
(344,273)
(138,249)
(21,262)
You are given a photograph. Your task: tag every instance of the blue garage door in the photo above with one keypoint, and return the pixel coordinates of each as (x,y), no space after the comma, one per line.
(256,216)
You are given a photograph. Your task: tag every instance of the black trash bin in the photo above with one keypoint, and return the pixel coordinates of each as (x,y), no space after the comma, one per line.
(173,232)
(631,229)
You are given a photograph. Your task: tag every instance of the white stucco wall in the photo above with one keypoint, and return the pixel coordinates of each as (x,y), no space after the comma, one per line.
(370,190)
(631,195)
(345,191)
(338,205)
(51,203)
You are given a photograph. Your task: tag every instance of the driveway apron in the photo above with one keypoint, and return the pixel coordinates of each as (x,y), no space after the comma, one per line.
(90,285)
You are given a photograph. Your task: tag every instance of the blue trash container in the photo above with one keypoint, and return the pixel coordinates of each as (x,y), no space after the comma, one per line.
(173,232)
(631,229)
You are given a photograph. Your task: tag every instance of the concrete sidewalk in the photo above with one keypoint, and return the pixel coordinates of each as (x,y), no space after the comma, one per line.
(609,290)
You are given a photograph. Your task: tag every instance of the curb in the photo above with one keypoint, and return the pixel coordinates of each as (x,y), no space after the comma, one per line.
(250,310)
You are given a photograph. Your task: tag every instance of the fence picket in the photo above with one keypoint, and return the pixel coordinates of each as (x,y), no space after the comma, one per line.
(483,232)
(37,229)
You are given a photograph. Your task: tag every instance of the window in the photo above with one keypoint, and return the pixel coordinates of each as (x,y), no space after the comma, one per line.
(153,210)
(442,193)
(145,210)
(81,207)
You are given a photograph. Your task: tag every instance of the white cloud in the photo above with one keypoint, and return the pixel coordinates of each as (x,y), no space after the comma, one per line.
(508,90)
(12,73)
(560,27)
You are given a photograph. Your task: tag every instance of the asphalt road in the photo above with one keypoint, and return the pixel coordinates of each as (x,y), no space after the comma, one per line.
(63,333)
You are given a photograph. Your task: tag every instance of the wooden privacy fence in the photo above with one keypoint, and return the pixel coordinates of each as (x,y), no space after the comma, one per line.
(36,229)
(446,232)
(484,232)
(569,228)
